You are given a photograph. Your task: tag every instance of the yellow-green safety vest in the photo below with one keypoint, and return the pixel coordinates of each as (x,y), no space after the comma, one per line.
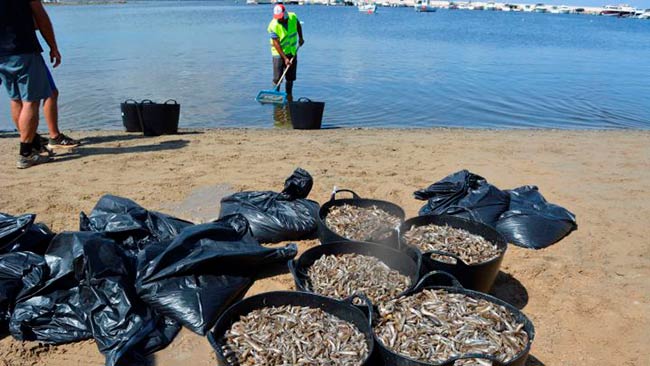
(288,37)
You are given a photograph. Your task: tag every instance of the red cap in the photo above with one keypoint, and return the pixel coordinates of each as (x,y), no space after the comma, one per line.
(279,11)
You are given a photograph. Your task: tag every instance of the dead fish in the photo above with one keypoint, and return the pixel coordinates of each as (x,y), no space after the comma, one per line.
(293,335)
(435,326)
(470,248)
(360,223)
(341,276)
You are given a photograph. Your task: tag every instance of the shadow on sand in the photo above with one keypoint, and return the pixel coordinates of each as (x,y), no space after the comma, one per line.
(85,150)
(510,290)
(533,361)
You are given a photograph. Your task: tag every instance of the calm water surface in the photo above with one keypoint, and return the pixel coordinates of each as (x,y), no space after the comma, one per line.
(397,68)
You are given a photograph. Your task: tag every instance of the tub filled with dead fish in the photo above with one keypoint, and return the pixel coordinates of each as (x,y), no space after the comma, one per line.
(292,328)
(446,325)
(469,250)
(359,219)
(341,269)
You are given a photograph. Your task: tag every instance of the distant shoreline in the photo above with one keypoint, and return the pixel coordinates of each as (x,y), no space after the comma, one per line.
(85,2)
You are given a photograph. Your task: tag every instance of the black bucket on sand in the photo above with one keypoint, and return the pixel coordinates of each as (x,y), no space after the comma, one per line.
(306,114)
(131,115)
(326,235)
(343,310)
(450,284)
(160,118)
(479,276)
(405,262)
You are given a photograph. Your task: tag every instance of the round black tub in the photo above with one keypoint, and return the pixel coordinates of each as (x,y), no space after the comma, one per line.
(344,310)
(432,281)
(326,235)
(478,276)
(406,262)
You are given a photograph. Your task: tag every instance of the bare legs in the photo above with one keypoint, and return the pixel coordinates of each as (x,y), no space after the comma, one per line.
(51,113)
(25,116)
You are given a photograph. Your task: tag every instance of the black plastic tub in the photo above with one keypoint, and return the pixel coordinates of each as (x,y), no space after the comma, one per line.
(479,276)
(406,262)
(429,281)
(306,114)
(131,115)
(344,310)
(160,118)
(326,235)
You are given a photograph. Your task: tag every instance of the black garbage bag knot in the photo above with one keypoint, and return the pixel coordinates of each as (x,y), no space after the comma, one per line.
(276,217)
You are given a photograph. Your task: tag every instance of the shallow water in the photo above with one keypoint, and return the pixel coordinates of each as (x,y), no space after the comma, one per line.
(397,68)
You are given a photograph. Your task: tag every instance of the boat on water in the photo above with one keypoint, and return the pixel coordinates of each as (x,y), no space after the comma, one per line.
(491,6)
(620,11)
(565,9)
(540,8)
(644,15)
(423,6)
(367,8)
(453,6)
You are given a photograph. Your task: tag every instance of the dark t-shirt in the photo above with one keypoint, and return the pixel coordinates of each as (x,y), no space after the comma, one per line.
(17,33)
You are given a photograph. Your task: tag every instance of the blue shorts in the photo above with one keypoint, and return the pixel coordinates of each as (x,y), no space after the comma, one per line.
(25,77)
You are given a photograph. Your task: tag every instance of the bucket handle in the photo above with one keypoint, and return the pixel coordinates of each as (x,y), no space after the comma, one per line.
(336,190)
(494,360)
(362,296)
(291,263)
(304,99)
(470,212)
(425,279)
(130,100)
(459,261)
(147,101)
(171,100)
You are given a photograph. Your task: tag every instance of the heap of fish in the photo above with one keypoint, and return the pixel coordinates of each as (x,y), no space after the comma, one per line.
(470,248)
(340,276)
(294,335)
(435,325)
(360,223)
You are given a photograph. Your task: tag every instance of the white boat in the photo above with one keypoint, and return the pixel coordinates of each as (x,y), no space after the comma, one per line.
(540,8)
(463,6)
(491,6)
(423,6)
(644,15)
(528,8)
(617,11)
(565,9)
(367,8)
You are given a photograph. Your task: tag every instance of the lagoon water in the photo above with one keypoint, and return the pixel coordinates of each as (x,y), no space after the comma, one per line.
(397,68)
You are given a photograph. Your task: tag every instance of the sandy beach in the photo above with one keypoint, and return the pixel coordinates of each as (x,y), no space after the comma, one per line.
(588,296)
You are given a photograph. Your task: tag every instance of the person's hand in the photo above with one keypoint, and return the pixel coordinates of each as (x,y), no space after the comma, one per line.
(301,42)
(287,61)
(55,57)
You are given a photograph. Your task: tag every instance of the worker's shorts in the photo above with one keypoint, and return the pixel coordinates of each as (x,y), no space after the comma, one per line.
(25,77)
(278,69)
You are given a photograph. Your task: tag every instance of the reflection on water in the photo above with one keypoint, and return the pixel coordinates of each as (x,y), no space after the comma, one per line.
(282,116)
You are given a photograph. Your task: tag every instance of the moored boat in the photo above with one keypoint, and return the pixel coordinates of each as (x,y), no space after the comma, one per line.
(368,8)
(423,6)
(620,11)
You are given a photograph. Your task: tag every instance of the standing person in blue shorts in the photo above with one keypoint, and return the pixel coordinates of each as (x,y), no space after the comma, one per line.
(23,71)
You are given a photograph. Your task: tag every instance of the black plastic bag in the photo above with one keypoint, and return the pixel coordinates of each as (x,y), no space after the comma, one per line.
(204,270)
(276,217)
(18,271)
(132,226)
(90,293)
(532,222)
(466,195)
(19,234)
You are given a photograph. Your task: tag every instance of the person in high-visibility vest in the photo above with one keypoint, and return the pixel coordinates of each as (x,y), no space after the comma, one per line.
(286,36)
